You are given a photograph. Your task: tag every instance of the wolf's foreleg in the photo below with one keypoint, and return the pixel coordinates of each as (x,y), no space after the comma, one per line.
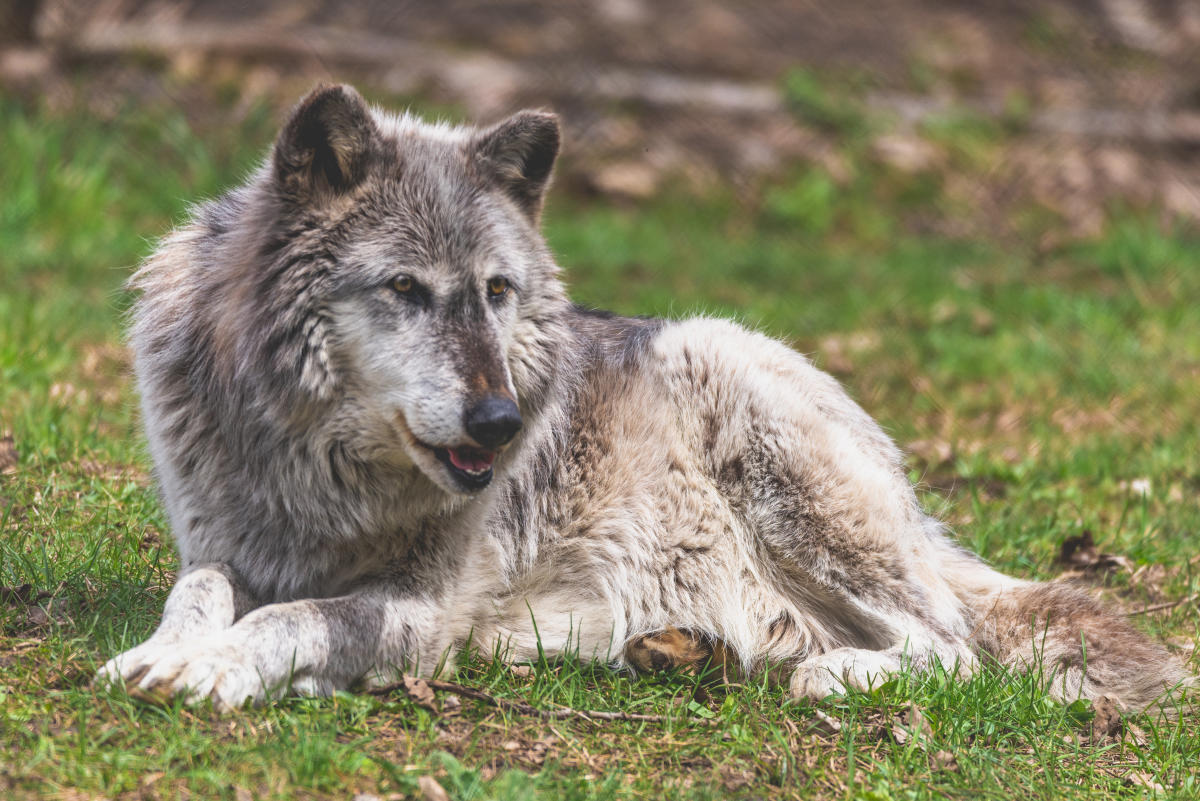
(311,647)
(205,600)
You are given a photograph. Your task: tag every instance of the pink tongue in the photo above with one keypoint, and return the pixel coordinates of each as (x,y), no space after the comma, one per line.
(472,461)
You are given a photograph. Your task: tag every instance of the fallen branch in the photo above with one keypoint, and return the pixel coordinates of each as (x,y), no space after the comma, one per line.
(522,708)
(830,724)
(1165,606)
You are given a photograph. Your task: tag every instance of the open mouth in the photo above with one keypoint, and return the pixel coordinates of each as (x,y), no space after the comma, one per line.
(471,467)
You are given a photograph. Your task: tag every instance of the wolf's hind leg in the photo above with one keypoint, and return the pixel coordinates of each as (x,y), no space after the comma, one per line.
(205,600)
(862,669)
(840,669)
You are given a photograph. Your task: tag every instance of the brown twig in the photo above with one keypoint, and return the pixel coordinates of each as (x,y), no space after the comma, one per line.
(522,708)
(1164,606)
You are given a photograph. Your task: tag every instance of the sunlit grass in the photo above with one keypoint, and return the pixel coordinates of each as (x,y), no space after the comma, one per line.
(1041,397)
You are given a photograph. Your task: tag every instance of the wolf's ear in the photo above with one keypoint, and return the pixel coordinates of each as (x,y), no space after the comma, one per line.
(323,149)
(518,154)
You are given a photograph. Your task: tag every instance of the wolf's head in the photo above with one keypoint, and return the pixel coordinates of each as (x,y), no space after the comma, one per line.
(406,286)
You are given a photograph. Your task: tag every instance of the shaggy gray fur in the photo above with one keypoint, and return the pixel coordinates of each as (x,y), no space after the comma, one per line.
(309,350)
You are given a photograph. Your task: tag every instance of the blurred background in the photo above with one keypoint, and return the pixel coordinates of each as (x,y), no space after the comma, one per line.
(980,216)
(1099,99)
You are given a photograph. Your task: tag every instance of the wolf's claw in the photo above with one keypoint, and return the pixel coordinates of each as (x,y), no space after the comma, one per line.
(209,669)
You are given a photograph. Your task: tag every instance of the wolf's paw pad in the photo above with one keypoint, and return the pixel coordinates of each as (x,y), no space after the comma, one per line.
(673,648)
(663,650)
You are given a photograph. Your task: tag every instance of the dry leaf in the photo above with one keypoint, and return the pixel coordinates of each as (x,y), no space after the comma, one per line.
(22,595)
(910,725)
(825,723)
(1151,579)
(150,540)
(1135,734)
(934,452)
(36,617)
(420,692)
(1106,722)
(8,456)
(1081,553)
(1140,778)
(430,789)
(537,752)
(151,778)
(943,760)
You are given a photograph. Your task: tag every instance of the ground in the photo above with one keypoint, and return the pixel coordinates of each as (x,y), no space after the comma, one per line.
(1044,375)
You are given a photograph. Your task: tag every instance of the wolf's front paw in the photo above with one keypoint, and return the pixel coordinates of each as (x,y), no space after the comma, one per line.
(129,666)
(839,669)
(209,669)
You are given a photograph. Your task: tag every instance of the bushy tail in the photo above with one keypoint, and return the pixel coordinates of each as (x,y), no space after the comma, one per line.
(1083,649)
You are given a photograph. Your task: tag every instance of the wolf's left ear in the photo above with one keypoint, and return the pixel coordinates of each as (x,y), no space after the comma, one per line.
(518,154)
(324,147)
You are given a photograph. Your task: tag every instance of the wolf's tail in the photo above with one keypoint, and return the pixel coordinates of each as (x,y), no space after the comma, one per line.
(1081,647)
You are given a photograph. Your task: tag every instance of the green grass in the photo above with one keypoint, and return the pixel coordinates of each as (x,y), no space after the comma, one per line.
(1036,390)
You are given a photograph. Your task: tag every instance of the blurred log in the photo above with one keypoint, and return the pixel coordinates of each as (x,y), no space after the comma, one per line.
(487,83)
(420,62)
(16,21)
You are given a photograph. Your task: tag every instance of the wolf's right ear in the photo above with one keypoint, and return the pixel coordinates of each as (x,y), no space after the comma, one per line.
(518,154)
(324,147)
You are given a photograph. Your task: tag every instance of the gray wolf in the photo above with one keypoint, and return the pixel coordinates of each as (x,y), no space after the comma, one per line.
(382,432)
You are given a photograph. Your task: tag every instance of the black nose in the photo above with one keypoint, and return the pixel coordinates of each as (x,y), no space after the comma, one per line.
(494,421)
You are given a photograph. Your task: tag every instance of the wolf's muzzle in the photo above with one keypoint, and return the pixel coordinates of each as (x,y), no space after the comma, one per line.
(493,421)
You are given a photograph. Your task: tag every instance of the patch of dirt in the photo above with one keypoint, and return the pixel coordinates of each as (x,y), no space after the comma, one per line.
(35,610)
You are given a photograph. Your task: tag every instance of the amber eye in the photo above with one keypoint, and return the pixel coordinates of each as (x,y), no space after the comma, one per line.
(403,284)
(497,286)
